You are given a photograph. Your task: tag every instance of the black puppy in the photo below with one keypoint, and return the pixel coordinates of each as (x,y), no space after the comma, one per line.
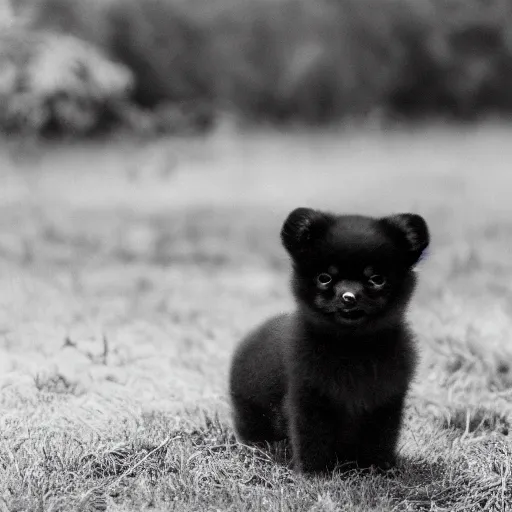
(332,376)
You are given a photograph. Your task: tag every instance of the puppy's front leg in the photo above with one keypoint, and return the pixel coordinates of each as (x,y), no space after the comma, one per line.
(380,434)
(312,425)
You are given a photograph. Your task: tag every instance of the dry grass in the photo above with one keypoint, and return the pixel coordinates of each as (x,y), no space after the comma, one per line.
(129,272)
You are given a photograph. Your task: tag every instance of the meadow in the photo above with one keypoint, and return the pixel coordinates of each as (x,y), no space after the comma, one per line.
(130,269)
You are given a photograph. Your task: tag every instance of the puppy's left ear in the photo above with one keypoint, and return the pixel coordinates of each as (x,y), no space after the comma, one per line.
(411,232)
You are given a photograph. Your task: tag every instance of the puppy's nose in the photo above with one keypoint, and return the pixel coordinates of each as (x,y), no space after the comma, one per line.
(349,299)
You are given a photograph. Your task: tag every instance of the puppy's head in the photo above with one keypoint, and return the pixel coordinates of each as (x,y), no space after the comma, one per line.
(353,270)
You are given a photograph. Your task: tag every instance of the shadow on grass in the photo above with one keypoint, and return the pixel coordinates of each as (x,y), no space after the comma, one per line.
(409,473)
(414,484)
(421,484)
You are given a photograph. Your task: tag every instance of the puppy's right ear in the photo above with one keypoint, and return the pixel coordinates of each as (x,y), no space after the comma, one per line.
(302,228)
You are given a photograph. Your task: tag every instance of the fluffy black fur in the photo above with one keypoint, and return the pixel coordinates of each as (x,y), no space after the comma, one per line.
(332,376)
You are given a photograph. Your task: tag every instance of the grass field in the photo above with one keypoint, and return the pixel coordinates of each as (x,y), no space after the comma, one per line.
(129,271)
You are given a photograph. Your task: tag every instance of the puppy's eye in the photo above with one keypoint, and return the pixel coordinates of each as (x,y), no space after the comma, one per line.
(377,281)
(324,280)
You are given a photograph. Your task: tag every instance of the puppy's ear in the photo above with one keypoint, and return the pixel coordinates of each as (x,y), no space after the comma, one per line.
(411,232)
(302,228)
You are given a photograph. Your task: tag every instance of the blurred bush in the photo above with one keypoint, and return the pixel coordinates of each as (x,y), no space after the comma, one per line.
(54,82)
(277,59)
(462,64)
(315,61)
(284,60)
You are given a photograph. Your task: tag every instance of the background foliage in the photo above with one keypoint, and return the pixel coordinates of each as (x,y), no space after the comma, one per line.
(278,60)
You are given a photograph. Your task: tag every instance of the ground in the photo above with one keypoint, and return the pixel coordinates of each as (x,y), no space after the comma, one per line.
(129,271)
